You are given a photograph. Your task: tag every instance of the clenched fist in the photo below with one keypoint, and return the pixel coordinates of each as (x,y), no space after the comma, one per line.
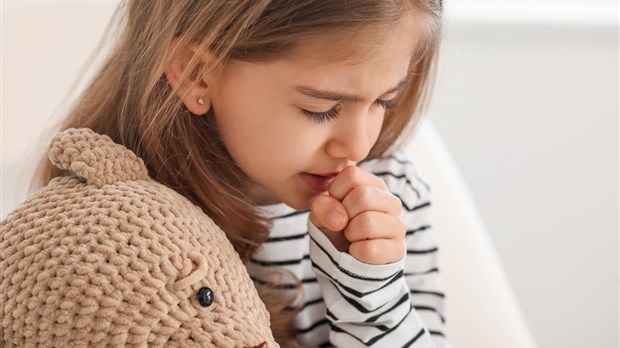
(361,217)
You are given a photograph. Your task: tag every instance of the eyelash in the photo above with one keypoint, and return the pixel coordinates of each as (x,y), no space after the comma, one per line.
(333,113)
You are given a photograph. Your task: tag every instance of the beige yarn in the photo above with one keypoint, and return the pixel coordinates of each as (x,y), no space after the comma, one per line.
(109,257)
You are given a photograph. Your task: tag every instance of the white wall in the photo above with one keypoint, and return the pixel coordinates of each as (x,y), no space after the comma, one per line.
(39,55)
(529,109)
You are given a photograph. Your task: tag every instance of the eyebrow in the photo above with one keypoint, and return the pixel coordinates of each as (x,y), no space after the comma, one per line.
(336,96)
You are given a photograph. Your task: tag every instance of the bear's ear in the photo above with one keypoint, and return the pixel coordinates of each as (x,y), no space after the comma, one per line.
(95,157)
(186,75)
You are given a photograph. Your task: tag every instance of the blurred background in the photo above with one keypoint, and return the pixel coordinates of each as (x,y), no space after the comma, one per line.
(527,102)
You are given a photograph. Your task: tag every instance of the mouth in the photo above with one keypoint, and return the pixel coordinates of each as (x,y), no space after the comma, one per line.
(318,182)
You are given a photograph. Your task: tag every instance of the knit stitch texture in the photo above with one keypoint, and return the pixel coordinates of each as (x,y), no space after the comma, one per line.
(109,257)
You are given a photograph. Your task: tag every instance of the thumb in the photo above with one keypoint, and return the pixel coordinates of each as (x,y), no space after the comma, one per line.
(327,213)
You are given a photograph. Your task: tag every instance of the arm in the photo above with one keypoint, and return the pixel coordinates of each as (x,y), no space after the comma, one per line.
(421,265)
(398,303)
(367,305)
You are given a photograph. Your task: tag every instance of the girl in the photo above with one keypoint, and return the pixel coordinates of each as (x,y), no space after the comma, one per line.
(280,119)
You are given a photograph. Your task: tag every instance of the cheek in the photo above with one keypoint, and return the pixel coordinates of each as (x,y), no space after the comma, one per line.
(266,142)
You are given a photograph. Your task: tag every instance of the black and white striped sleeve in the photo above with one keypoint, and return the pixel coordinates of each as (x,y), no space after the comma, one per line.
(394,305)
(422,261)
(367,305)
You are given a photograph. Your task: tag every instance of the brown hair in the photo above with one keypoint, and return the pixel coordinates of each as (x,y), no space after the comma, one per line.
(130,99)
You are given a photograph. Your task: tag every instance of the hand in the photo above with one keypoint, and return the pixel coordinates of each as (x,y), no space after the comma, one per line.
(361,217)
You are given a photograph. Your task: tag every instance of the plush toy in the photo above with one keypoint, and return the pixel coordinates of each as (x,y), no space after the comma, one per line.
(109,257)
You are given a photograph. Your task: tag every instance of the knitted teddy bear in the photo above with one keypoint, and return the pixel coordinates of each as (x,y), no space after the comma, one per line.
(109,257)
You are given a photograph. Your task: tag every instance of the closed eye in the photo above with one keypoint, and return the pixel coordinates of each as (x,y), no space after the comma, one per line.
(320,117)
(333,113)
(386,104)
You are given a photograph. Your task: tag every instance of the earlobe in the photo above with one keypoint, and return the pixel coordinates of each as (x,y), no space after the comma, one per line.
(191,87)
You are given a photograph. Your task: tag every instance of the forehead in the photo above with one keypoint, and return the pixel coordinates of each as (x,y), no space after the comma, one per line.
(361,45)
(364,62)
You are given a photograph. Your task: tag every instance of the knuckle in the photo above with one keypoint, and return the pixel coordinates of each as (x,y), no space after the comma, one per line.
(362,194)
(399,252)
(367,220)
(353,173)
(365,251)
(402,227)
(350,233)
(396,203)
(381,183)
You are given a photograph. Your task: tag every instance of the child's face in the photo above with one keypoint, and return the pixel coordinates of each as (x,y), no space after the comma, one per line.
(259,110)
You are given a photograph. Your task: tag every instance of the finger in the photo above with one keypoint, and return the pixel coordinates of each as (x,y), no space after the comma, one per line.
(377,251)
(364,198)
(374,225)
(328,213)
(349,178)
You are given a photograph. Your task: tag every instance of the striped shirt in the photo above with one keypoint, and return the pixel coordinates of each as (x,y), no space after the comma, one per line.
(347,303)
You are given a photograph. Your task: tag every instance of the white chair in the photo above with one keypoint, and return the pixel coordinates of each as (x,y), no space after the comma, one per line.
(481,309)
(46,43)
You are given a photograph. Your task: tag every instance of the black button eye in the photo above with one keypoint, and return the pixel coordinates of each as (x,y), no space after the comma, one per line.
(205,297)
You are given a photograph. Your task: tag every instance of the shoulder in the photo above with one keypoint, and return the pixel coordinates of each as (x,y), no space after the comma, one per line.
(402,176)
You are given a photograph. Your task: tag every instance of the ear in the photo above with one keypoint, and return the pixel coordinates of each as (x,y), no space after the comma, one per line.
(192,87)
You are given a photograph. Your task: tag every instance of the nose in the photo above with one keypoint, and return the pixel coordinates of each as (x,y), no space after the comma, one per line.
(351,140)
